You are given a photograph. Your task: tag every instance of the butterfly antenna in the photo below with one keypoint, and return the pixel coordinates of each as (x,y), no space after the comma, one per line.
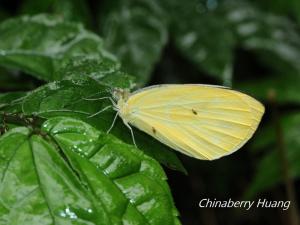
(113,123)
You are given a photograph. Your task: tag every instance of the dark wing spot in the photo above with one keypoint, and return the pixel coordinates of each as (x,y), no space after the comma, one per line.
(153,130)
(194,112)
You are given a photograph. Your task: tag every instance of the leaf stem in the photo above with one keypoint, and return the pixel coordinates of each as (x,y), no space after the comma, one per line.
(32,122)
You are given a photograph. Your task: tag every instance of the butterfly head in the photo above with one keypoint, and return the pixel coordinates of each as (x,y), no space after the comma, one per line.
(121,96)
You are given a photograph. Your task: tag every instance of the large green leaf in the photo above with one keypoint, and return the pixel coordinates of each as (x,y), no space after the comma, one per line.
(70,173)
(42,44)
(38,186)
(70,98)
(139,178)
(269,171)
(135,31)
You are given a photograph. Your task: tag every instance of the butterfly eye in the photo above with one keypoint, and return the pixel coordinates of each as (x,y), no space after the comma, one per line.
(194,112)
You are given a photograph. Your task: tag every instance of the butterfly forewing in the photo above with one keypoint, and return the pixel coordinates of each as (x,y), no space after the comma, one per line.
(202,121)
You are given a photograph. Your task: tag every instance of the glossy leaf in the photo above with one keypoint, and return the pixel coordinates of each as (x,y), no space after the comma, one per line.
(70,173)
(42,44)
(38,186)
(71,98)
(116,172)
(269,171)
(135,31)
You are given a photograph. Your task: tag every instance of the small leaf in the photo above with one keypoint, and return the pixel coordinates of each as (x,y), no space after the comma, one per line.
(136,32)
(41,45)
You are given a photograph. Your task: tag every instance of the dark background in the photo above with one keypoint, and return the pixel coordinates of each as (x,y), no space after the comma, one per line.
(258,71)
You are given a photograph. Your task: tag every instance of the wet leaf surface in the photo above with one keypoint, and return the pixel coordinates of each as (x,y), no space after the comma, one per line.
(40,45)
(75,174)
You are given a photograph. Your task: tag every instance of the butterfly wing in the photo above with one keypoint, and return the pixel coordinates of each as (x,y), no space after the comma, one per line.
(201,121)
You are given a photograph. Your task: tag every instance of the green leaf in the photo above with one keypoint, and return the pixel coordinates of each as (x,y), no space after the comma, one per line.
(125,165)
(11,101)
(70,98)
(71,10)
(101,69)
(269,170)
(75,175)
(208,36)
(135,31)
(38,186)
(42,44)
(275,39)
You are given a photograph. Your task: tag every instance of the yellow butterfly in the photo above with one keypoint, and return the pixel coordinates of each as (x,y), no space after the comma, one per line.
(202,121)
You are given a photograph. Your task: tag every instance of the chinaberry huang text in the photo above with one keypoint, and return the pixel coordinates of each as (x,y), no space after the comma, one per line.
(260,203)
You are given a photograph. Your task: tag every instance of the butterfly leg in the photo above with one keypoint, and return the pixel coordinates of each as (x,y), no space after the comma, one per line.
(104,109)
(109,98)
(113,123)
(132,135)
